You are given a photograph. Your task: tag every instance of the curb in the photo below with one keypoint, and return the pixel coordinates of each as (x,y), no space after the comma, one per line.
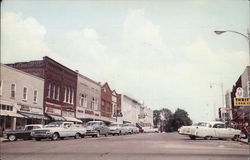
(243,141)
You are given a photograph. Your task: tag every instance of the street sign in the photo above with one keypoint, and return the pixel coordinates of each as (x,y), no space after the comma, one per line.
(241,101)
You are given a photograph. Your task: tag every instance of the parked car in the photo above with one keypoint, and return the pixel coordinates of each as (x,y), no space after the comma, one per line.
(96,128)
(208,130)
(116,129)
(130,128)
(22,133)
(56,130)
(150,130)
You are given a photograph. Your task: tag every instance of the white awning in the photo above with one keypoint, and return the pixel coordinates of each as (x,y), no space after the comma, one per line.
(72,119)
(10,113)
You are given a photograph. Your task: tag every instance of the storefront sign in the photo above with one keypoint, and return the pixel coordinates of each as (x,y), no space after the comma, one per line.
(89,112)
(67,114)
(241,101)
(53,110)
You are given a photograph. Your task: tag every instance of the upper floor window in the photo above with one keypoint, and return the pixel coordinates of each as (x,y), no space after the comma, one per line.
(65,94)
(95,104)
(58,93)
(35,96)
(1,87)
(54,92)
(92,104)
(49,89)
(83,100)
(72,96)
(25,93)
(13,90)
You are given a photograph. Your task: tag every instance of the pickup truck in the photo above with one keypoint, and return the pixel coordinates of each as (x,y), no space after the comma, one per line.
(209,130)
(22,133)
(56,130)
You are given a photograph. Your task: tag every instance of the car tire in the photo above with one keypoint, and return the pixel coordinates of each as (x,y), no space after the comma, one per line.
(55,137)
(236,138)
(77,136)
(83,136)
(12,137)
(97,134)
(208,137)
(192,137)
(106,135)
(38,139)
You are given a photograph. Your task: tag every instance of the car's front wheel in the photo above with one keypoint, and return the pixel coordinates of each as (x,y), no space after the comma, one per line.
(12,137)
(77,136)
(192,137)
(55,137)
(236,137)
(38,139)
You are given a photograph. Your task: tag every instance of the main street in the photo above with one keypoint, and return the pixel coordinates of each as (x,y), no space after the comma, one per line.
(148,146)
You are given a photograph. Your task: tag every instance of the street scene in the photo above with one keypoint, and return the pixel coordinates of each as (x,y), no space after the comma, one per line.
(147,146)
(125,80)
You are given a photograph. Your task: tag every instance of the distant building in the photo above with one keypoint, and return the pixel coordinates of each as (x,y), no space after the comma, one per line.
(241,114)
(106,103)
(228,109)
(21,98)
(88,99)
(60,85)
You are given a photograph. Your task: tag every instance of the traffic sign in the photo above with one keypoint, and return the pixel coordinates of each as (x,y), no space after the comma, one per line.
(241,101)
(239,92)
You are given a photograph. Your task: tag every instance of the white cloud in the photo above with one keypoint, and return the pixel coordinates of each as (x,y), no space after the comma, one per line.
(22,38)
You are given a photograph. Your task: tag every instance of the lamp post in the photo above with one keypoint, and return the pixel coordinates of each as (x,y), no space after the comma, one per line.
(218,32)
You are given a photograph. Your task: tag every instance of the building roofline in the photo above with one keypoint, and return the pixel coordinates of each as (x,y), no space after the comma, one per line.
(87,78)
(17,70)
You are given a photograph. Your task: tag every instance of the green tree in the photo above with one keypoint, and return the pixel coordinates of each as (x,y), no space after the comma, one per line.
(180,118)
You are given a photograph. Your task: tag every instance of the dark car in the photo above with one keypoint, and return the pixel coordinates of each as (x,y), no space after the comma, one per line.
(22,133)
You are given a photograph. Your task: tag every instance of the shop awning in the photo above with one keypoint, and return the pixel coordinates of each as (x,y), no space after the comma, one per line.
(11,114)
(56,118)
(35,116)
(72,119)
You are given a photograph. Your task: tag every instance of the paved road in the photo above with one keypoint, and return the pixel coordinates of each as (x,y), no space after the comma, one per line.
(148,146)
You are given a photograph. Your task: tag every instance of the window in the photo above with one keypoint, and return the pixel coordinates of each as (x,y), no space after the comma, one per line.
(49,89)
(95,104)
(6,107)
(92,105)
(54,92)
(58,93)
(103,103)
(1,87)
(83,100)
(68,95)
(13,90)
(219,126)
(72,96)
(35,96)
(65,94)
(25,93)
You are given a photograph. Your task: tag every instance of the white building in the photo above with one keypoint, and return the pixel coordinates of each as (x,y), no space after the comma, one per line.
(21,98)
(88,99)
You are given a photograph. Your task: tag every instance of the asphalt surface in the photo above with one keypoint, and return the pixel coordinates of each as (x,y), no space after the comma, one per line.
(147,146)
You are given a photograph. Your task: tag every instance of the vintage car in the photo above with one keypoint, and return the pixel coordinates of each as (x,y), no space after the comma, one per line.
(117,129)
(130,128)
(22,133)
(96,128)
(150,130)
(56,130)
(209,130)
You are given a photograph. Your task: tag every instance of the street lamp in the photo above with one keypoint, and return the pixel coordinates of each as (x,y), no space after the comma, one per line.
(218,32)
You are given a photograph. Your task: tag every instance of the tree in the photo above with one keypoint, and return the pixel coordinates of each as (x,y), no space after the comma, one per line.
(181,118)
(156,117)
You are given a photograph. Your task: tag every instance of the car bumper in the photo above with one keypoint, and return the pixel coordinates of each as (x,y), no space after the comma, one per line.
(42,135)
(91,133)
(114,132)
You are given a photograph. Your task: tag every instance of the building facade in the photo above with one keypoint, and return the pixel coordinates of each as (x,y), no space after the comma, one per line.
(60,85)
(21,98)
(88,99)
(107,103)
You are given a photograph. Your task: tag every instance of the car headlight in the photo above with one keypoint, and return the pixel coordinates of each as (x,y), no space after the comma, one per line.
(47,132)
(32,133)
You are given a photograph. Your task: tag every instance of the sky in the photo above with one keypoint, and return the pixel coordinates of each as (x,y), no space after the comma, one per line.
(164,52)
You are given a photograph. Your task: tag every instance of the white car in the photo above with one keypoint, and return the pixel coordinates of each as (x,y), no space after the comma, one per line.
(150,130)
(56,130)
(130,128)
(208,130)
(117,129)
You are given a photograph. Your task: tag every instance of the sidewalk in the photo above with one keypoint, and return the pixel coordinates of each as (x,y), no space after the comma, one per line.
(243,141)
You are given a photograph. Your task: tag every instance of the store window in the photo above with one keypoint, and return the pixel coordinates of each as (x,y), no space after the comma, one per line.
(1,87)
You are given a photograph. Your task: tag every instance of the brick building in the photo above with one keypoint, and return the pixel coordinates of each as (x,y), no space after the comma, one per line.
(60,86)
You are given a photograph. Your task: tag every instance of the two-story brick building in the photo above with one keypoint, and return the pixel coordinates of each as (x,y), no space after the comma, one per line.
(60,86)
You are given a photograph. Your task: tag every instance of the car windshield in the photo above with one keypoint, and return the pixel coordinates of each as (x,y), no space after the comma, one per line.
(114,125)
(201,124)
(54,124)
(92,123)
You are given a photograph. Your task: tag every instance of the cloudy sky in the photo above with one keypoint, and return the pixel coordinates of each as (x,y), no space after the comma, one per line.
(162,52)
